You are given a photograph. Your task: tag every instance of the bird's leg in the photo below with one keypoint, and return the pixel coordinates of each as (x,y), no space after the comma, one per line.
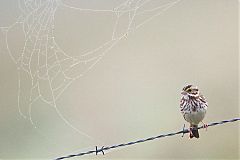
(190,132)
(205,125)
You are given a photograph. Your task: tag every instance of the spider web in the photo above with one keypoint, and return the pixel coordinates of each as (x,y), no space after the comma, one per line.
(51,69)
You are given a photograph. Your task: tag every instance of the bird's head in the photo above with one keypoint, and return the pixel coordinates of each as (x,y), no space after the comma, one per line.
(190,91)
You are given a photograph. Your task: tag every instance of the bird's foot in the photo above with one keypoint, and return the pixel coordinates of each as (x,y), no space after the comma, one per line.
(205,126)
(190,132)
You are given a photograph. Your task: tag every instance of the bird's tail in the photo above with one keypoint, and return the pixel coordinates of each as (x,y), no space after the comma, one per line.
(194,129)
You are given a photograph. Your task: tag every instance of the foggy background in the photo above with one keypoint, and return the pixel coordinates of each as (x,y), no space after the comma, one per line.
(126,90)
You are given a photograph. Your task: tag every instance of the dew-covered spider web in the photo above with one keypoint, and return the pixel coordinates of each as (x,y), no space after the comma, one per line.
(43,60)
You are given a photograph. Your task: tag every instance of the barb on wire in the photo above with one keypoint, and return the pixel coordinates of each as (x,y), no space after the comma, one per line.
(183,131)
(99,150)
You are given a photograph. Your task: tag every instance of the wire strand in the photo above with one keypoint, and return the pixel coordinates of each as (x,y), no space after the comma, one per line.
(183,131)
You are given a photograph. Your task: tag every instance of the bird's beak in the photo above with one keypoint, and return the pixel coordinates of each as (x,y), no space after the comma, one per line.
(184,93)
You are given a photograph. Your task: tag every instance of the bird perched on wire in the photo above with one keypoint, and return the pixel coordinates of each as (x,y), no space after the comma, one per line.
(193,106)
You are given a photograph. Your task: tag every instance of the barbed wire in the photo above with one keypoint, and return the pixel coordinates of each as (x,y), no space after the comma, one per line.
(183,131)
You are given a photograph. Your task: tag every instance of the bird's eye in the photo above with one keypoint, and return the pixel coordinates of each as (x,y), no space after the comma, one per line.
(189,90)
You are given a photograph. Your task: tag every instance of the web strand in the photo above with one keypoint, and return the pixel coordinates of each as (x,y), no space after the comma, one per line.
(43,61)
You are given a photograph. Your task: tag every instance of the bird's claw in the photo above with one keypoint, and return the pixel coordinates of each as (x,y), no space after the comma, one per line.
(205,126)
(190,131)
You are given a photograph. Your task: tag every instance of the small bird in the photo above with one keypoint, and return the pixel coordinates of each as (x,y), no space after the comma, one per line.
(193,106)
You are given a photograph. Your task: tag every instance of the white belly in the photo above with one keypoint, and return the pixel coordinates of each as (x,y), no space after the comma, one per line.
(195,117)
